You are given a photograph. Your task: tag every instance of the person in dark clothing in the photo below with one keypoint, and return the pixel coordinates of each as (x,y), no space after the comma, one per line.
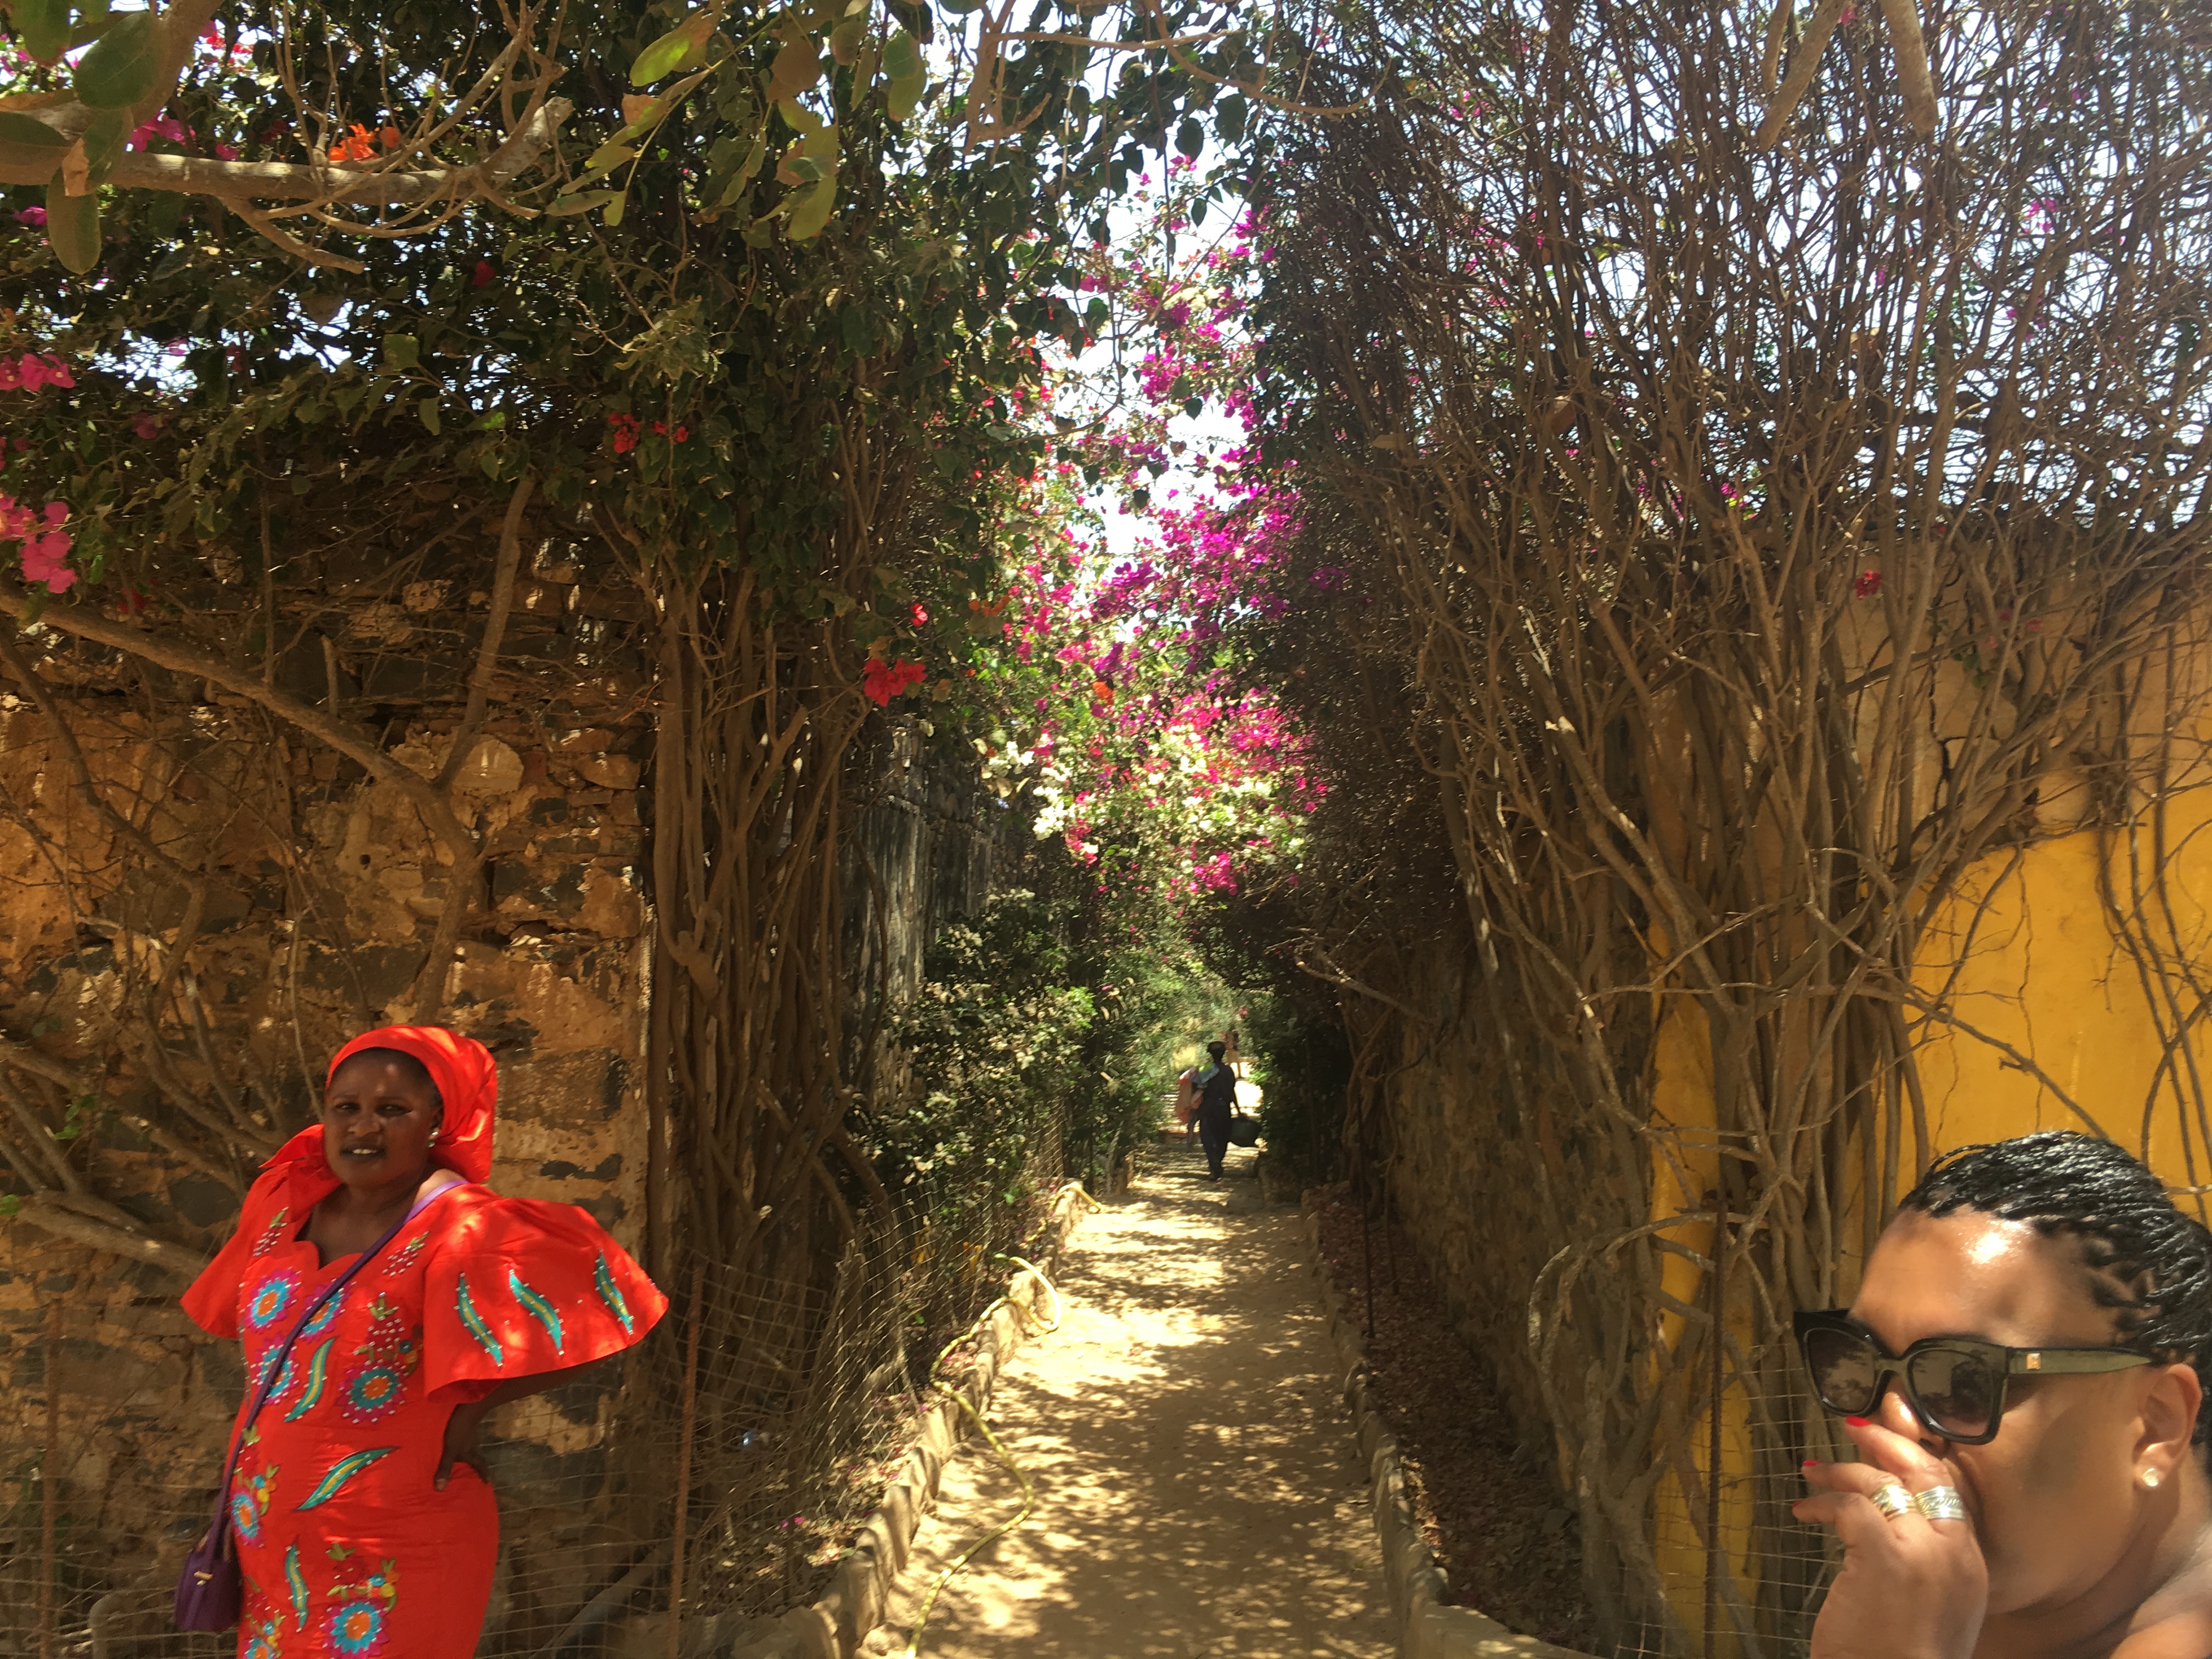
(1217,1104)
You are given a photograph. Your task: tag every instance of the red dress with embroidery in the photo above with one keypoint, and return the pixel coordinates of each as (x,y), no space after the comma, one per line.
(347,1548)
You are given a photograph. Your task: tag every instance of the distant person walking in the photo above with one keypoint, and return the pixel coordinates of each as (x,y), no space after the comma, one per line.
(1217,1104)
(1186,1105)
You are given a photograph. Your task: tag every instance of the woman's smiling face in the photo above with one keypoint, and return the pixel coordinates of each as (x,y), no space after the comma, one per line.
(2054,1497)
(379,1115)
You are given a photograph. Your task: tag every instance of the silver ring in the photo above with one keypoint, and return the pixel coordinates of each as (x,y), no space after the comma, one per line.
(1892,1500)
(1940,1503)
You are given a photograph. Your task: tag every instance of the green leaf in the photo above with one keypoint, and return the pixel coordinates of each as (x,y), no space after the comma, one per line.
(612,154)
(43,26)
(583,202)
(428,410)
(73,227)
(495,422)
(812,161)
(810,210)
(798,67)
(613,216)
(644,121)
(23,132)
(104,136)
(123,66)
(1190,138)
(401,352)
(909,79)
(677,49)
(845,39)
(9,1204)
(744,175)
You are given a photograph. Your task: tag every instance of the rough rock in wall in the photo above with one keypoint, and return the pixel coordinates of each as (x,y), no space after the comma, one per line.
(158,1044)
(1484,1176)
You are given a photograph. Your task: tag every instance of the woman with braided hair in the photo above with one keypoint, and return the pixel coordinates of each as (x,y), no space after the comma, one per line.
(2023,1373)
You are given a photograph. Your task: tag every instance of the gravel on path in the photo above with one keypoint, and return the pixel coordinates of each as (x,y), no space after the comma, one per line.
(1198,1494)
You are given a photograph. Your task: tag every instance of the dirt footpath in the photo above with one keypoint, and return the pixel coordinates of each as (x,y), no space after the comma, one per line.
(1198,1494)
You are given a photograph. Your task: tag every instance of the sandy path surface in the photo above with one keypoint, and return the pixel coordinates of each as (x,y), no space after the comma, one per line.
(1198,1493)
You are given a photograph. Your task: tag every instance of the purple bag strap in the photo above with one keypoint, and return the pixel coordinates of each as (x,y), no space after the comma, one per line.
(273,1367)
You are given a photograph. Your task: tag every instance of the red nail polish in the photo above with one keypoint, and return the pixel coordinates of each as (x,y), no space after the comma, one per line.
(1858,1422)
(1810,1463)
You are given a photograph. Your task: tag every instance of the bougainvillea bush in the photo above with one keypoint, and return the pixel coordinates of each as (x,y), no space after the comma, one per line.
(1138,722)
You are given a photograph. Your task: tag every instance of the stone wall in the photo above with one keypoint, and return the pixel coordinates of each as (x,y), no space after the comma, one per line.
(322,887)
(1467,1178)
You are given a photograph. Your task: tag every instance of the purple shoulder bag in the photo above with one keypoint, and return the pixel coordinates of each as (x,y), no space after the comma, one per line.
(210,1589)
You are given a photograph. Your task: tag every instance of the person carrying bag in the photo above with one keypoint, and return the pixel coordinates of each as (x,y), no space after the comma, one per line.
(1217,1108)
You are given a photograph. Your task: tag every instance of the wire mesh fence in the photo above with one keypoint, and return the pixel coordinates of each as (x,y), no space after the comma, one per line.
(720,1468)
(1750,1586)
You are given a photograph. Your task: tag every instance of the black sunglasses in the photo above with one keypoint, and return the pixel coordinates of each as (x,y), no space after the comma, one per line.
(1954,1384)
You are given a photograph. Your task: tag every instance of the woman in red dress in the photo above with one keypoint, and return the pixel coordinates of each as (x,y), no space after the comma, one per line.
(363,1525)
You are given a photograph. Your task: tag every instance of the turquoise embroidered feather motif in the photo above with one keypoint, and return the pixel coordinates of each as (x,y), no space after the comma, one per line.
(474,1320)
(611,1294)
(298,1581)
(316,1368)
(341,1472)
(540,1309)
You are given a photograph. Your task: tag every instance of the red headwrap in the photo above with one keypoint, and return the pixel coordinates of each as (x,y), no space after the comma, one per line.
(468,1084)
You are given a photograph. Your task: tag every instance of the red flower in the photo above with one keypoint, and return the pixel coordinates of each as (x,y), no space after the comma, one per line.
(484,272)
(625,429)
(885,681)
(1867,585)
(920,617)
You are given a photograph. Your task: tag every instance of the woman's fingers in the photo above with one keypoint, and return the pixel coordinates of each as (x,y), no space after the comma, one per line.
(1857,1522)
(1892,1457)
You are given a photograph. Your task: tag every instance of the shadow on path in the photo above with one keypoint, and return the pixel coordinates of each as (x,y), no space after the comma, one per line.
(1198,1489)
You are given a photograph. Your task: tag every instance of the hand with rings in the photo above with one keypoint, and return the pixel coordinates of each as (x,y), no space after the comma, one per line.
(1913,1584)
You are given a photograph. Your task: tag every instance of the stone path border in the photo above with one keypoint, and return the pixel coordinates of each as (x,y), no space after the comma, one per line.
(835,1627)
(1429,1628)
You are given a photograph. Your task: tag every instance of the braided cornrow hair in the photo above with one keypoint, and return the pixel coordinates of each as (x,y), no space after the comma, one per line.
(2150,1264)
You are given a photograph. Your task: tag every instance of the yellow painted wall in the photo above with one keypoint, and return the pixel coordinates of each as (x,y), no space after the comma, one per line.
(2039,970)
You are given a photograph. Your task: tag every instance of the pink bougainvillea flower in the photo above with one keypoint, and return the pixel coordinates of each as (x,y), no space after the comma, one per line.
(162,126)
(225,152)
(483,274)
(146,425)
(30,372)
(883,681)
(34,216)
(45,551)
